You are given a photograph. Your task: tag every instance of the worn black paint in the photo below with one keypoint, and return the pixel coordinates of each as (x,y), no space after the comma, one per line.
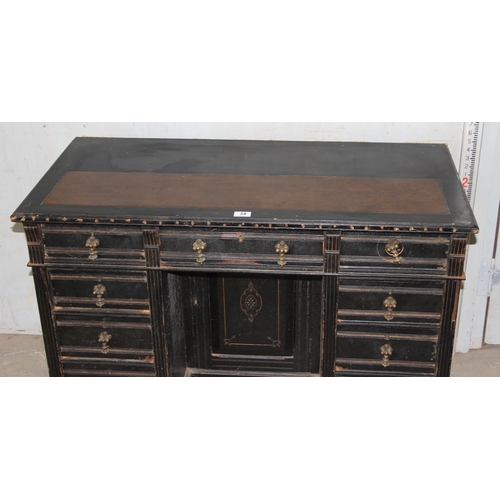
(164,310)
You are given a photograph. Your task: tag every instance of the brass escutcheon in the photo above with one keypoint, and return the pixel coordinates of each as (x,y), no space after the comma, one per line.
(104,338)
(99,291)
(394,248)
(92,243)
(198,247)
(390,304)
(386,351)
(282,249)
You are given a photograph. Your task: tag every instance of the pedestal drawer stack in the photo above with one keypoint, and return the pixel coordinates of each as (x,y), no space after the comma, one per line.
(396,302)
(98,302)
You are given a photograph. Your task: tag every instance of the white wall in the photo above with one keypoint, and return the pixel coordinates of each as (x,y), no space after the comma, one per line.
(476,307)
(27,150)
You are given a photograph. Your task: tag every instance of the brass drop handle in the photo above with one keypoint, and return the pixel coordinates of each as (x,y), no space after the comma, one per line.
(390,304)
(92,243)
(99,291)
(104,338)
(386,351)
(282,249)
(394,248)
(198,247)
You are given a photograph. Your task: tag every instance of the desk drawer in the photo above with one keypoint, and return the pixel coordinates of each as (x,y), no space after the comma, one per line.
(393,301)
(86,363)
(394,253)
(385,352)
(95,344)
(105,335)
(244,250)
(93,245)
(379,355)
(362,326)
(102,290)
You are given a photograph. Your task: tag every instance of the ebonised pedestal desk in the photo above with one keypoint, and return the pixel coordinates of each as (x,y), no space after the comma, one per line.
(156,257)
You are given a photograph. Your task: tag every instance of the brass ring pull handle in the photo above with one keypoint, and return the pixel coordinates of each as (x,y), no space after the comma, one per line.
(92,243)
(282,249)
(394,248)
(198,247)
(99,291)
(104,338)
(386,351)
(390,304)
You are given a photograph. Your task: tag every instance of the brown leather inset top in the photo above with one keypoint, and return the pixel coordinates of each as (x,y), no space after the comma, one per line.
(250,192)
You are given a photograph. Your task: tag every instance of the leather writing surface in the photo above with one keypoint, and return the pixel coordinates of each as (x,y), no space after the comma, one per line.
(250,192)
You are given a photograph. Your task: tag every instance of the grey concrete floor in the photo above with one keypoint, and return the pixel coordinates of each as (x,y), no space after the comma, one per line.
(24,356)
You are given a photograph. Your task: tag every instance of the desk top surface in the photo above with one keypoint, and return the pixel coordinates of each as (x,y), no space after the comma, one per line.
(252,182)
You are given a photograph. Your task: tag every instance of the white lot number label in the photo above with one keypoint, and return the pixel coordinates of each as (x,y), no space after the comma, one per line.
(242,214)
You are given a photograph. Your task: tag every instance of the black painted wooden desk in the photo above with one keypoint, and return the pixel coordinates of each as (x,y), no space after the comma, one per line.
(209,257)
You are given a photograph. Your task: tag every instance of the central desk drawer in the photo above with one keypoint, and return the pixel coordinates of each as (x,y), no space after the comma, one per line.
(101,290)
(246,250)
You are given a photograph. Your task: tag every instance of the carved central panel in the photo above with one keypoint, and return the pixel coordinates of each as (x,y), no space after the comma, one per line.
(251,302)
(252,315)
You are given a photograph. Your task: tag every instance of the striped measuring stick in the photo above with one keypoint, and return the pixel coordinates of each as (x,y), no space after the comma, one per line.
(469,158)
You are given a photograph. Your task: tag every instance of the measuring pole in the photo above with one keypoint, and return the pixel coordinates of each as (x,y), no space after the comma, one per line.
(469,158)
